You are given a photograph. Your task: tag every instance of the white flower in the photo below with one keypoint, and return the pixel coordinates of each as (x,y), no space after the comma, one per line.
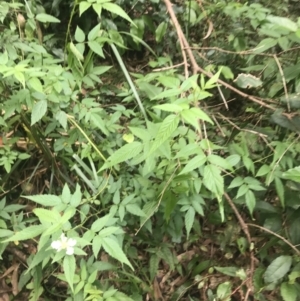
(64,244)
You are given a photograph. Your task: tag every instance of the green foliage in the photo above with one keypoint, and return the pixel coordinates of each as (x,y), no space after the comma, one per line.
(115,172)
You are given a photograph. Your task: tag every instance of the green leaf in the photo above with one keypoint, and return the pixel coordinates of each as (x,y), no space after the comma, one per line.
(213,80)
(288,291)
(100,223)
(124,153)
(189,220)
(193,115)
(292,174)
(69,269)
(36,84)
(76,197)
(116,9)
(224,291)
(45,18)
(5,232)
(153,266)
(166,129)
(45,200)
(134,209)
(278,268)
(250,201)
(48,216)
(194,163)
(108,231)
(114,250)
(229,271)
(169,107)
(242,190)
(93,34)
(62,118)
(213,180)
(76,52)
(38,111)
(280,189)
(265,45)
(96,245)
(161,31)
(283,22)
(96,47)
(27,233)
(79,35)
(20,77)
(219,161)
(83,6)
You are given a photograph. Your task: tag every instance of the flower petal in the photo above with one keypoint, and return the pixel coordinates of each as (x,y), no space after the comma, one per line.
(56,245)
(71,242)
(70,251)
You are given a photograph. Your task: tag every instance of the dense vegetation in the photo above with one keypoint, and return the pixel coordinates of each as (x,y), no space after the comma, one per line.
(149,150)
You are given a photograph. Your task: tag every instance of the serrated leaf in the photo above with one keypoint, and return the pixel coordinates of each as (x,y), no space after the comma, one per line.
(96,245)
(96,47)
(114,250)
(38,111)
(278,268)
(153,266)
(116,9)
(242,190)
(62,118)
(292,174)
(283,22)
(169,107)
(44,215)
(219,161)
(36,84)
(194,163)
(124,153)
(76,197)
(69,269)
(134,209)
(193,115)
(100,223)
(108,231)
(45,18)
(94,33)
(27,233)
(166,129)
(189,220)
(213,180)
(45,200)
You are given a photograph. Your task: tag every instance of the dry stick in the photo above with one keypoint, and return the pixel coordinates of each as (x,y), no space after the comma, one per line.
(247,233)
(180,36)
(277,235)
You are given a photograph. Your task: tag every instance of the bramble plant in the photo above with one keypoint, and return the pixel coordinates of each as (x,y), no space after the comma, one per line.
(149,150)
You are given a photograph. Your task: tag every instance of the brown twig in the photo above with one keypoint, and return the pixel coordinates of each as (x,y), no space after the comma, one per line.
(245,229)
(180,35)
(277,235)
